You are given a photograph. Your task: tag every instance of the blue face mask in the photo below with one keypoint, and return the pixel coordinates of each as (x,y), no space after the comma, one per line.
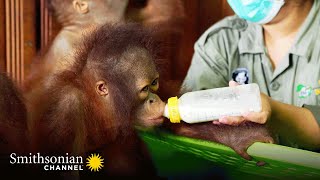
(256,11)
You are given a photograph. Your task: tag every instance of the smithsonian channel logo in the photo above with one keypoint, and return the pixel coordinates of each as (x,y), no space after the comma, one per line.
(94,162)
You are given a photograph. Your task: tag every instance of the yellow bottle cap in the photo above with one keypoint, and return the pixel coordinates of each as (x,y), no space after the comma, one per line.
(173,108)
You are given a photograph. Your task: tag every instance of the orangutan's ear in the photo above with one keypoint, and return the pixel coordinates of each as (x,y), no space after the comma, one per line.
(101,88)
(81,6)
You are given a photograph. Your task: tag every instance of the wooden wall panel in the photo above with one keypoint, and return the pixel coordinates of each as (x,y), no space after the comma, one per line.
(19,37)
(188,37)
(49,27)
(226,9)
(2,37)
(201,14)
(29,35)
(13,38)
(45,24)
(209,12)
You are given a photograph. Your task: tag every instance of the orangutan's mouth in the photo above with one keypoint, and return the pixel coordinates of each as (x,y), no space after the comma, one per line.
(157,120)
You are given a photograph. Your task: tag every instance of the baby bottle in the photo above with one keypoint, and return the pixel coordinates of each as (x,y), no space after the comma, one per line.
(211,104)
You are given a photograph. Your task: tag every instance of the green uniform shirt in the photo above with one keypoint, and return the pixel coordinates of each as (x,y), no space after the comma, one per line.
(234,43)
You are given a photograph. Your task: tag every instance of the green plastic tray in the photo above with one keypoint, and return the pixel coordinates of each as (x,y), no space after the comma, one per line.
(176,156)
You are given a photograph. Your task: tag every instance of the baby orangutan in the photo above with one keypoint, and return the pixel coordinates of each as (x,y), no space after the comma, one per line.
(92,105)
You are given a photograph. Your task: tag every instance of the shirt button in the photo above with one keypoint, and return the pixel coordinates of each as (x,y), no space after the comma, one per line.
(275,86)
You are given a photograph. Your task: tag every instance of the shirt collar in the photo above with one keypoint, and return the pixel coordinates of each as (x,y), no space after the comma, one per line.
(251,40)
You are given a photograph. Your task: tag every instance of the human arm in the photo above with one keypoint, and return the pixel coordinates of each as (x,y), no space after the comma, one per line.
(295,126)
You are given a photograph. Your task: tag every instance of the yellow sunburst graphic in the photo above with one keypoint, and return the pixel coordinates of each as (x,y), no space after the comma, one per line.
(95,162)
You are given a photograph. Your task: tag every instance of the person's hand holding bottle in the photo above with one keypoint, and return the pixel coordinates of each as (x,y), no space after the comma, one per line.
(257,117)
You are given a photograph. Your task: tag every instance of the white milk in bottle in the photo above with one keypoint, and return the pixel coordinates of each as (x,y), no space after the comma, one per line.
(211,104)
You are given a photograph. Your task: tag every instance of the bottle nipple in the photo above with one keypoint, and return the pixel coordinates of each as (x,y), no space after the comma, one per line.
(172,110)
